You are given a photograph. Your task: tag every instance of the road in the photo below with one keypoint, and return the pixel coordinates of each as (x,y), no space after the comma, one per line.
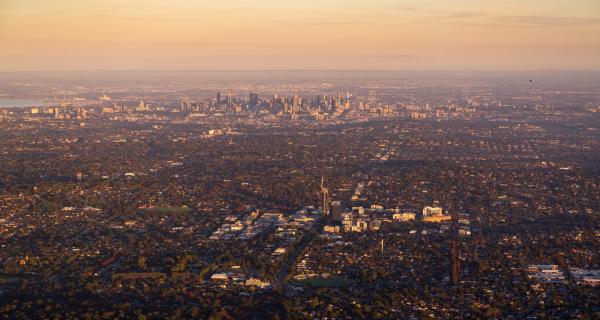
(299,248)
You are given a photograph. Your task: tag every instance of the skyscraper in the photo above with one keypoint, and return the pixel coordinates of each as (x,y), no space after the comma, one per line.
(336,211)
(186,105)
(229,101)
(253,99)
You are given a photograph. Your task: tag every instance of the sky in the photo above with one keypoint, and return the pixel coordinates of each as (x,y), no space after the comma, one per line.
(309,34)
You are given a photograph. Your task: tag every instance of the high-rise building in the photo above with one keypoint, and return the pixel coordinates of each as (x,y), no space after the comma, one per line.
(186,105)
(336,211)
(253,99)
(218,98)
(229,99)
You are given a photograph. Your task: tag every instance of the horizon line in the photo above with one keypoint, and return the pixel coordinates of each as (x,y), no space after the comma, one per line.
(298,70)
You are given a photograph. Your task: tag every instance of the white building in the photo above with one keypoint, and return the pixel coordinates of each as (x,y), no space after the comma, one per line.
(405,216)
(432,211)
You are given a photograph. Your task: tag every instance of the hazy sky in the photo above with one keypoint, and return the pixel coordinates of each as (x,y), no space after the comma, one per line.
(307,34)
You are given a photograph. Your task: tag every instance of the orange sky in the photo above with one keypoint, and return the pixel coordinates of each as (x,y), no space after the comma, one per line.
(309,34)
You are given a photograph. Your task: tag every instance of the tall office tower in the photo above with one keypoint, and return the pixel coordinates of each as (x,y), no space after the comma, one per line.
(454,257)
(336,211)
(253,99)
(296,102)
(229,101)
(186,105)
(218,98)
(325,193)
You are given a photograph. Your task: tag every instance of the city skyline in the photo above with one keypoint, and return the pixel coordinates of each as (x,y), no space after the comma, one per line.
(325,35)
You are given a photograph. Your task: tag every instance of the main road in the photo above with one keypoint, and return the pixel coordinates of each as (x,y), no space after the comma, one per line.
(299,248)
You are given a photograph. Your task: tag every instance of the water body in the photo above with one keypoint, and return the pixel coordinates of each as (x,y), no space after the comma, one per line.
(20,103)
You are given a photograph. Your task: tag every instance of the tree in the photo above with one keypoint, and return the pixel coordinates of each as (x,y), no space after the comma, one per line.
(142,263)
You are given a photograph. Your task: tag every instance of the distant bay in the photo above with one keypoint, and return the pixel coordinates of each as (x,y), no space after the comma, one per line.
(20,103)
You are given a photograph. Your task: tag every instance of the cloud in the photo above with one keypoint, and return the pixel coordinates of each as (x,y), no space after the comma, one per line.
(465,15)
(445,14)
(315,23)
(399,56)
(488,19)
(545,21)
(117,16)
(410,9)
